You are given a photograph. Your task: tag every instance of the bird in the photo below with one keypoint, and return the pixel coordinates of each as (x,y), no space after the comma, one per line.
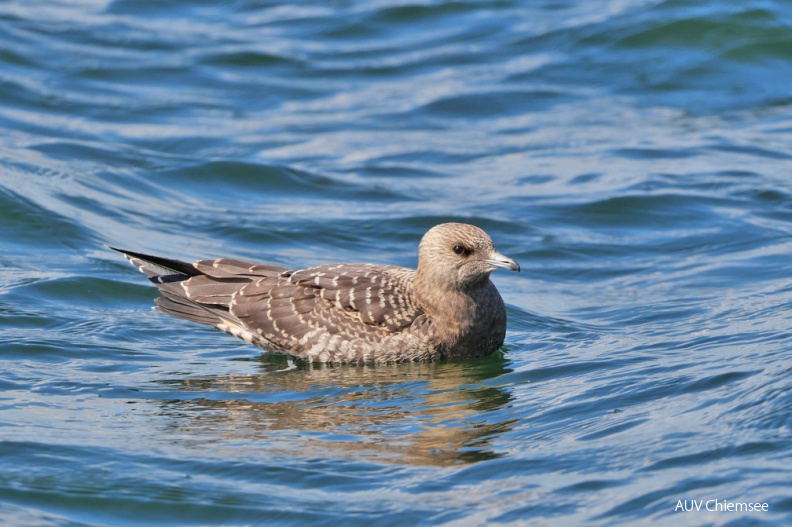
(447,308)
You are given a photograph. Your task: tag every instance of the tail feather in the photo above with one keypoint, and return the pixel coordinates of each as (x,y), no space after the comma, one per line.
(185,309)
(212,294)
(159,269)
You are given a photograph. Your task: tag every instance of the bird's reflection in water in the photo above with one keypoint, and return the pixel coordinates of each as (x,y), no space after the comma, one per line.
(417,413)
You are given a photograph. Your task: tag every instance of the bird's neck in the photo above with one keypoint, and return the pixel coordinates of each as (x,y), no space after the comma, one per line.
(451,309)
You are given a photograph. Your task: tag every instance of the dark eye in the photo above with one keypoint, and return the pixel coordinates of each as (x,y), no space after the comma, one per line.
(458,249)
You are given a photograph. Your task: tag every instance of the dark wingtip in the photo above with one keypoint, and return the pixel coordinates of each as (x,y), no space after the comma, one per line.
(174,265)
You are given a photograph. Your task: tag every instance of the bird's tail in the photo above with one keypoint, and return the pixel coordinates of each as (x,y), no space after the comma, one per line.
(167,275)
(159,270)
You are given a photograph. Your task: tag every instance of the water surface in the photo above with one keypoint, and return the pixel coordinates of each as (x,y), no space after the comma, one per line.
(634,157)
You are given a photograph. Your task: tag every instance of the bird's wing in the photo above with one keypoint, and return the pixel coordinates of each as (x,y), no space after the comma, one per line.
(220,279)
(379,294)
(352,305)
(353,300)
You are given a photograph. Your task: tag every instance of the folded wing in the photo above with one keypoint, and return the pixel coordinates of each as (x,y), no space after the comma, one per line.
(306,309)
(345,307)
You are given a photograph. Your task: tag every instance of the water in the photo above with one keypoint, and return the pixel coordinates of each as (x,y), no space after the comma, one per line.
(634,157)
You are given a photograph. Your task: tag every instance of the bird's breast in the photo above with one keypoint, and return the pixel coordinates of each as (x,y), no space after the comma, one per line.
(478,328)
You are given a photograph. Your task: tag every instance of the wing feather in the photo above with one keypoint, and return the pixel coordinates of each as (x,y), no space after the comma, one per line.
(356,301)
(379,295)
(230,267)
(338,311)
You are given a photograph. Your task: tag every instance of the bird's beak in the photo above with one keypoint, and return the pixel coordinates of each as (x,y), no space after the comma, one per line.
(496,259)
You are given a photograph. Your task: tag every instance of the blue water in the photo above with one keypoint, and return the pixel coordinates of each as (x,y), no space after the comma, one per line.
(633,156)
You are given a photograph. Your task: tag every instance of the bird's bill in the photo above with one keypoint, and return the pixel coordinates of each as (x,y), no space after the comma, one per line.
(499,260)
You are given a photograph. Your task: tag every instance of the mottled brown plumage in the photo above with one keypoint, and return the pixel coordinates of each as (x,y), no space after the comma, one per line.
(447,308)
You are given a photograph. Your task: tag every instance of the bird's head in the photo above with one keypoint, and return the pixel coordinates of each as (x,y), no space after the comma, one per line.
(460,256)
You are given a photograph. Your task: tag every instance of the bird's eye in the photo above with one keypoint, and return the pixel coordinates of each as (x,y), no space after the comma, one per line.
(458,249)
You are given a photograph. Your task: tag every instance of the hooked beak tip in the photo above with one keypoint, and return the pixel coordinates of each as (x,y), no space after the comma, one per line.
(499,260)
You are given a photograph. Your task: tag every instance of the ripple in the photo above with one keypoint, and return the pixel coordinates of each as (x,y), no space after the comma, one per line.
(28,223)
(238,180)
(492,105)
